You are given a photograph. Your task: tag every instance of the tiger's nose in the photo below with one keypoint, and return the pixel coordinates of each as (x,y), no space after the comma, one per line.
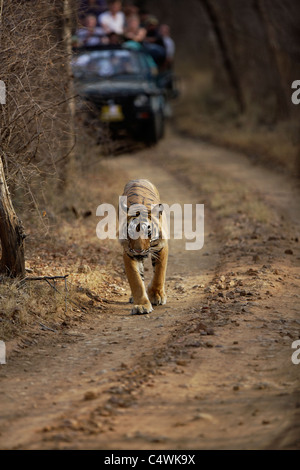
(138,252)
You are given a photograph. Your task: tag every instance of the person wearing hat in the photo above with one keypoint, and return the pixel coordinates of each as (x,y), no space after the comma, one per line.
(153,36)
(154,42)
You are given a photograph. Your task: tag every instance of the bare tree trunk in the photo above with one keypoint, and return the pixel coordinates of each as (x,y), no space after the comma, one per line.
(228,63)
(67,9)
(12,234)
(271,42)
(70,16)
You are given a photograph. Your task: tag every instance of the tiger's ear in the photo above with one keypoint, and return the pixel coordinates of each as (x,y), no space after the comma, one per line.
(157,210)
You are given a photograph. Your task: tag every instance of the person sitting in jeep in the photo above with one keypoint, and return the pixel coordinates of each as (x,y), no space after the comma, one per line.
(133,31)
(113,20)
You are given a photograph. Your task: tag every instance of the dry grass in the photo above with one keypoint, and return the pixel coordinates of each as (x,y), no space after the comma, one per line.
(64,241)
(203,112)
(29,305)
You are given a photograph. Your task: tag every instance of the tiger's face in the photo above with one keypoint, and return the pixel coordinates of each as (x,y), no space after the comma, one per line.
(139,247)
(142,233)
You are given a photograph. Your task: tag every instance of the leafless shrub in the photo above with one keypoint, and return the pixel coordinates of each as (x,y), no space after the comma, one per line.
(36,136)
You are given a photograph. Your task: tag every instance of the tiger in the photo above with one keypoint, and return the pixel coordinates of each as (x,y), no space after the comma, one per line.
(150,239)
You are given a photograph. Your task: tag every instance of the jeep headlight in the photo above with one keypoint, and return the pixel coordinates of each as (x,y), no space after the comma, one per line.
(141,100)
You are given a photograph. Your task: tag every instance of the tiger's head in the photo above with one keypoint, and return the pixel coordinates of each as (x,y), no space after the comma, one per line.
(142,230)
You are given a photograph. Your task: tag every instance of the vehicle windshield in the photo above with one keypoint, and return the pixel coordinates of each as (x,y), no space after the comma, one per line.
(108,63)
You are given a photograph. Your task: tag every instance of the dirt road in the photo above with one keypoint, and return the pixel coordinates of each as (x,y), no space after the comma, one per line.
(212,369)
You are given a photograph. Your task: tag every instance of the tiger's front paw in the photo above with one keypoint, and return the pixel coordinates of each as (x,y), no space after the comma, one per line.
(142,308)
(157,296)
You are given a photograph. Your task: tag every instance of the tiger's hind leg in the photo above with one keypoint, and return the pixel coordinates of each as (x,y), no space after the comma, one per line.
(156,289)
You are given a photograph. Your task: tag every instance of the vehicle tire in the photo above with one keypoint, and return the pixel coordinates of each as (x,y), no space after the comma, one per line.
(155,129)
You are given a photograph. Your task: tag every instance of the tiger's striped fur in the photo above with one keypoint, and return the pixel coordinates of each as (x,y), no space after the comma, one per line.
(142,192)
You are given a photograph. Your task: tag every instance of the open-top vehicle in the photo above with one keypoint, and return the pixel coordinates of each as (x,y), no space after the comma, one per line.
(125,87)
